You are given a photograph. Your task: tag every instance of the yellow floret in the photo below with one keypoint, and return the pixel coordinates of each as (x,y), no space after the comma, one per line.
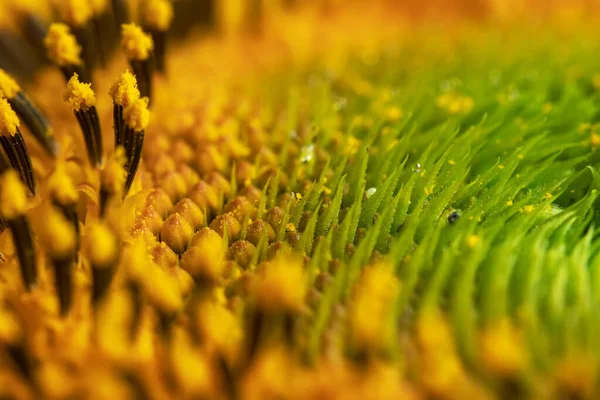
(502,349)
(61,186)
(206,258)
(101,245)
(125,90)
(13,195)
(137,115)
(98,6)
(372,306)
(158,14)
(10,331)
(9,122)
(61,45)
(79,95)
(8,86)
(56,233)
(136,44)
(282,287)
(113,175)
(473,240)
(75,12)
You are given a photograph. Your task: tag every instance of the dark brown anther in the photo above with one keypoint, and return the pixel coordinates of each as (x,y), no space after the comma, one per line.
(90,126)
(63,281)
(86,37)
(82,100)
(119,125)
(135,291)
(120,12)
(23,240)
(144,71)
(37,123)
(13,206)
(160,46)
(134,142)
(16,151)
(27,112)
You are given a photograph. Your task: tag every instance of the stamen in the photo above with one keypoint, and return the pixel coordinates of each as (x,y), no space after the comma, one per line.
(13,206)
(58,236)
(124,91)
(157,16)
(102,250)
(82,100)
(138,47)
(64,50)
(28,112)
(78,15)
(137,117)
(14,145)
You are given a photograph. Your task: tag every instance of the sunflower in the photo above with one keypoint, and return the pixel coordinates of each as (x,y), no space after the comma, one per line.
(279,199)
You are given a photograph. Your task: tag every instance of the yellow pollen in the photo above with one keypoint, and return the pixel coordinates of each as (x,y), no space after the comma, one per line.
(451,162)
(125,90)
(8,86)
(13,195)
(79,95)
(547,196)
(137,115)
(473,240)
(584,126)
(9,122)
(61,45)
(528,208)
(509,203)
(136,44)
(594,139)
(158,14)
(75,12)
(393,114)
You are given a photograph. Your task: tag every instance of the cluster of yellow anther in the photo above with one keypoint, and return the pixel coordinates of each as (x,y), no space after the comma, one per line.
(136,44)
(9,122)
(79,95)
(61,45)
